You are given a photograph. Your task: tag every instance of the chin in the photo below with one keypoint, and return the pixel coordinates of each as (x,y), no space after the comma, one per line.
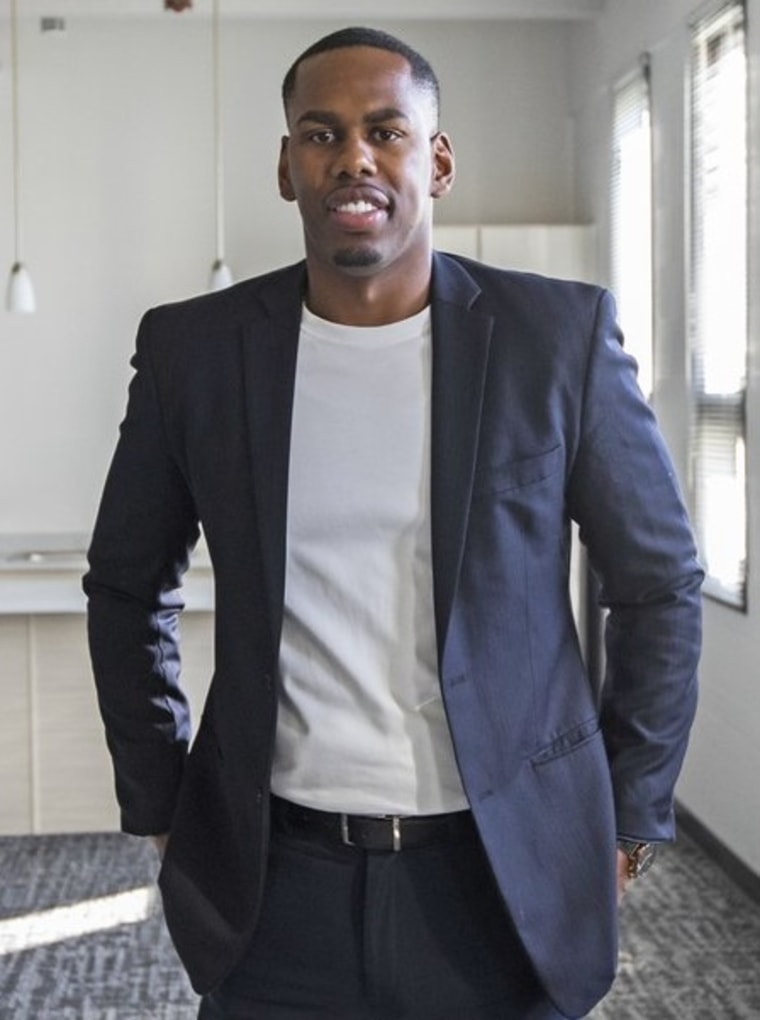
(357,258)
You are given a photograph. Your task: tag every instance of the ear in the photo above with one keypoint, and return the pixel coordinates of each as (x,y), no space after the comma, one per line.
(444,169)
(283,172)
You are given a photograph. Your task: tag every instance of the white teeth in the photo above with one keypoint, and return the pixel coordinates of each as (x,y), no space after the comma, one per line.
(356,207)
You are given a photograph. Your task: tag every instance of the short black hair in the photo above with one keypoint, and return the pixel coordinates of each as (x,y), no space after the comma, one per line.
(422,73)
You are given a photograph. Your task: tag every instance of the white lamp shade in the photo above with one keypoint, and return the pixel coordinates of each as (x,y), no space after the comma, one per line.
(20,294)
(221,275)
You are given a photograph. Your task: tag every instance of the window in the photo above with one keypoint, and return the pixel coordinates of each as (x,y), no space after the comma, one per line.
(718,299)
(631,217)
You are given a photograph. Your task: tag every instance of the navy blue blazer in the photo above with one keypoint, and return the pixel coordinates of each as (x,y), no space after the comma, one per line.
(537,421)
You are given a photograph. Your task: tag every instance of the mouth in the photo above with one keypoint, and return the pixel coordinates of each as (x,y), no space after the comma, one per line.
(358,209)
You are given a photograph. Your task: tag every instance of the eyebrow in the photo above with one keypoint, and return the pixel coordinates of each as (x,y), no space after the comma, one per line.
(374,117)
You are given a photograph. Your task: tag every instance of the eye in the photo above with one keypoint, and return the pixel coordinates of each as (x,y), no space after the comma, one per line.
(387,134)
(322,137)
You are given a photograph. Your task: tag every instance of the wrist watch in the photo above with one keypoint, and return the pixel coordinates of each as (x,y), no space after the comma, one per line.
(640,856)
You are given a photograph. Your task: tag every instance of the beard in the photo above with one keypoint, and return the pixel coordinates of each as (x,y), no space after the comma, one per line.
(356,258)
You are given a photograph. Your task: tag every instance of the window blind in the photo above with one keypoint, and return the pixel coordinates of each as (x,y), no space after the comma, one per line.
(718,299)
(631,216)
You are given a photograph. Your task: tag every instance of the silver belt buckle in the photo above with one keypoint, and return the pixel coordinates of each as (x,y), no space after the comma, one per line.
(344,836)
(396,826)
(395,821)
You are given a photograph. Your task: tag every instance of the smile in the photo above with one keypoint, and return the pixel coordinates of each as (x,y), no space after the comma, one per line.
(357,216)
(358,202)
(358,209)
(355,208)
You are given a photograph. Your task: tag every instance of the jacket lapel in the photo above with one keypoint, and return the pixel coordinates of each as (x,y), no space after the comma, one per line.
(270,348)
(461,339)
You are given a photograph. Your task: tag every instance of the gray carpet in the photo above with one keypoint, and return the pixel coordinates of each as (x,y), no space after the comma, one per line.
(690,939)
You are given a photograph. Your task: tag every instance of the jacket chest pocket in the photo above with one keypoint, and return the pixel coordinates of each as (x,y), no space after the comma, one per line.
(518,473)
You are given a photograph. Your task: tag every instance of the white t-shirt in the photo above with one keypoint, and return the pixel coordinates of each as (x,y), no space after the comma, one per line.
(361,725)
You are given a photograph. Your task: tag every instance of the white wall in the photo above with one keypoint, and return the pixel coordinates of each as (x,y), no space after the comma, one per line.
(719,784)
(118,213)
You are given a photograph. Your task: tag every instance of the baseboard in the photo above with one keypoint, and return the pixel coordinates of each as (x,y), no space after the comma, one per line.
(739,872)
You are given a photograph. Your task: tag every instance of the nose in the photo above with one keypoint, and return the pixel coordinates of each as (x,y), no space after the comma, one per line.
(354,158)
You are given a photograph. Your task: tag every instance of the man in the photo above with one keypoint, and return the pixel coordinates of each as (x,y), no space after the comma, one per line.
(402,800)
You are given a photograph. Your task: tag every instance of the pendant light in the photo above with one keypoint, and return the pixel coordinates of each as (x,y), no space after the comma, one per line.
(20,293)
(221,275)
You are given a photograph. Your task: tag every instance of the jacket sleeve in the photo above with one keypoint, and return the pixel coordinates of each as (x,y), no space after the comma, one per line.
(624,494)
(145,529)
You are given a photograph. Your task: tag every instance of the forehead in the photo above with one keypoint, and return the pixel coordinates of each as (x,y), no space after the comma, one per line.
(357,76)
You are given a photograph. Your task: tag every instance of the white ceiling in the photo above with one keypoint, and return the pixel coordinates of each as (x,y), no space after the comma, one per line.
(355,11)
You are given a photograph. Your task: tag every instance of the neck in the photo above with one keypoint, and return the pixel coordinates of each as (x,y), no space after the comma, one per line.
(366,300)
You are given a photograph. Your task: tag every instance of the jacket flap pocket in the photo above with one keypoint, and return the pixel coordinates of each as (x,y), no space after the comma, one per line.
(516,474)
(568,741)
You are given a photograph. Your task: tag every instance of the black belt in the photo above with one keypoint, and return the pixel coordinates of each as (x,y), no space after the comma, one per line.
(372,832)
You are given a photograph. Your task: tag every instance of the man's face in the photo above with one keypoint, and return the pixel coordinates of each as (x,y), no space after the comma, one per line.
(363,160)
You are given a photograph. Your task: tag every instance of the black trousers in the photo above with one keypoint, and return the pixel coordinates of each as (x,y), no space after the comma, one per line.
(349,934)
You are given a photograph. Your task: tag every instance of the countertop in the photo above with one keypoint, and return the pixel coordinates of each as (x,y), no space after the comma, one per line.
(42,573)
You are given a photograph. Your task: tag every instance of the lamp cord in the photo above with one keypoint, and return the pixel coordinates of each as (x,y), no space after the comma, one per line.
(15,136)
(218,153)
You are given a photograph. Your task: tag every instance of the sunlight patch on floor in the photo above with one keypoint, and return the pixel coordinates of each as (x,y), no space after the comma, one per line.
(58,924)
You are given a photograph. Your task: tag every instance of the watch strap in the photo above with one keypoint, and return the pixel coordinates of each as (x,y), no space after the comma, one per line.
(640,856)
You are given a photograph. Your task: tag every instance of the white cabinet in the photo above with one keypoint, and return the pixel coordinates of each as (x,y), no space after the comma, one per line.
(565,250)
(55,772)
